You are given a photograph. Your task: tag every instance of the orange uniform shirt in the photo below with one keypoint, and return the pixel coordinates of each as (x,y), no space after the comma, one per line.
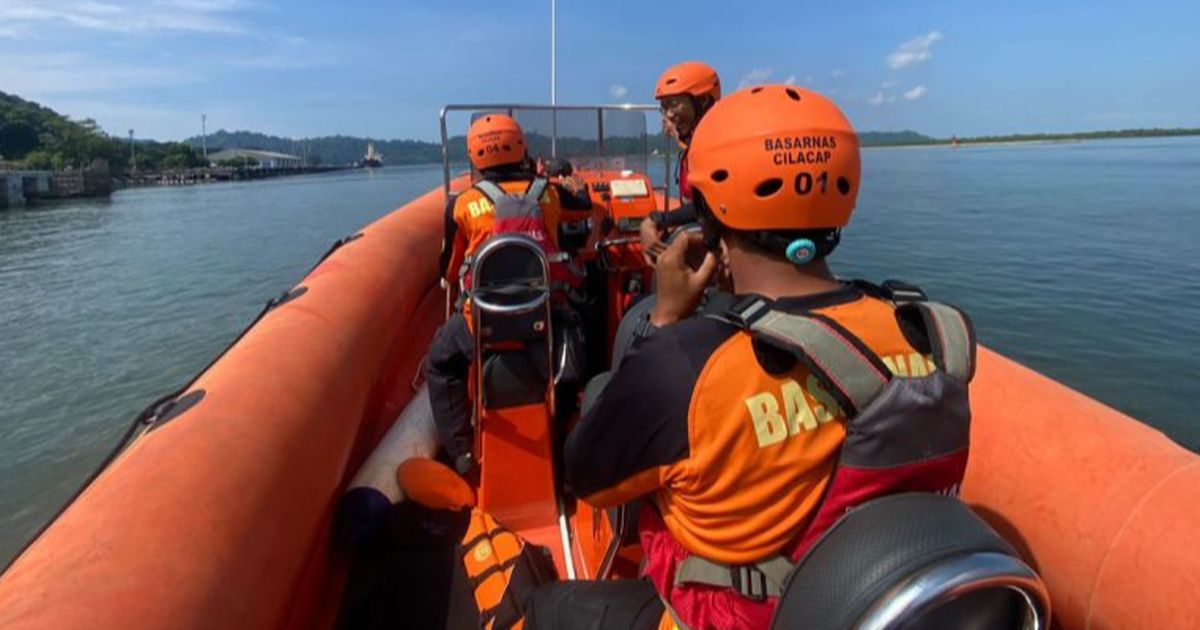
(473,214)
(736,459)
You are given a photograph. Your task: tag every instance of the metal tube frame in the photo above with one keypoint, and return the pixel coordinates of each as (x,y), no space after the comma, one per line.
(543,302)
(510,107)
(954,578)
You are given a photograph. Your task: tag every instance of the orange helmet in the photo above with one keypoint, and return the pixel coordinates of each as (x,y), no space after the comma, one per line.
(495,140)
(776,157)
(690,77)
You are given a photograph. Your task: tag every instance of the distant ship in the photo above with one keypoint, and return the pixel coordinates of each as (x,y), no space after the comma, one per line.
(371,159)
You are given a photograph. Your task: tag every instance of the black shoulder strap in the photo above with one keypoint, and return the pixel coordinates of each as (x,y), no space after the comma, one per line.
(848,369)
(896,291)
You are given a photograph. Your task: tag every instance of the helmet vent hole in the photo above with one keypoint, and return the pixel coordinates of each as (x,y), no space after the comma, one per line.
(768,187)
(506,148)
(720,175)
(671,80)
(479,153)
(756,90)
(793,94)
(843,185)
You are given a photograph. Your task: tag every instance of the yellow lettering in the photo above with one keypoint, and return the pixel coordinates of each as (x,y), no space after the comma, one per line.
(799,414)
(890,363)
(768,424)
(479,207)
(917,366)
(827,408)
(912,365)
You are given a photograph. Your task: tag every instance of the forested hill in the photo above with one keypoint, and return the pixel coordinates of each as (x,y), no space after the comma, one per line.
(32,136)
(893,138)
(334,150)
(36,137)
(329,150)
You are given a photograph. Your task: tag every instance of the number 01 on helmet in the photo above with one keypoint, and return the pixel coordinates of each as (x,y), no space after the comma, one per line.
(776,157)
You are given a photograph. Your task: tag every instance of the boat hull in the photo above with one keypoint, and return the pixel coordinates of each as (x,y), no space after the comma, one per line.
(223,516)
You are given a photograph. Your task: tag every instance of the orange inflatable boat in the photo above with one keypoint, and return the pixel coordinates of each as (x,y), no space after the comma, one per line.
(221,512)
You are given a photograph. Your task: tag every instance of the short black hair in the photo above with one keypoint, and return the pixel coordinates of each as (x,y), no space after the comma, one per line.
(512,170)
(773,243)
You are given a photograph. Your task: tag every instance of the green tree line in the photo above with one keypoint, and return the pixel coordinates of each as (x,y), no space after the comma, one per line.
(36,137)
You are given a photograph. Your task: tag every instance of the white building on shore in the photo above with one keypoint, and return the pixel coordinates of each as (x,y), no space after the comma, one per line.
(265,159)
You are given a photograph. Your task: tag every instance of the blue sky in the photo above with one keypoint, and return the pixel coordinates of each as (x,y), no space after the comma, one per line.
(382,69)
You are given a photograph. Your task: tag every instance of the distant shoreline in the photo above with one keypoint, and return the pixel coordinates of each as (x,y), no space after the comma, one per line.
(1041,138)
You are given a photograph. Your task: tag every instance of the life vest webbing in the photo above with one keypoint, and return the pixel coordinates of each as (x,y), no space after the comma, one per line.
(839,359)
(853,374)
(532,194)
(951,338)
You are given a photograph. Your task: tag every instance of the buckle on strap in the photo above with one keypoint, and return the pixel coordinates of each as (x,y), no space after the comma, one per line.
(749,581)
(756,581)
(747,310)
(900,292)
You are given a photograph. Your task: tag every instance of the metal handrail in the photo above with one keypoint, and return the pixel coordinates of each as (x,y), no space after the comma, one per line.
(509,107)
(953,578)
(489,247)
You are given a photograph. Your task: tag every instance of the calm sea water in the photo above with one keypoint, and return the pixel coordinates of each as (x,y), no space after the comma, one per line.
(1081,260)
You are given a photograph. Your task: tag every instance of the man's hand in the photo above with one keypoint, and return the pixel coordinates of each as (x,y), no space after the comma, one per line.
(573,184)
(679,287)
(652,243)
(668,129)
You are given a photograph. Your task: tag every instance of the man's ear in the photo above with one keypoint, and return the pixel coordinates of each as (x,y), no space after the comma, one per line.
(723,248)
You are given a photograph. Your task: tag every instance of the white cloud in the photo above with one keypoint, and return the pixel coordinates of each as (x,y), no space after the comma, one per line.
(837,73)
(23,17)
(915,93)
(618,91)
(62,73)
(881,98)
(887,84)
(791,80)
(914,51)
(755,77)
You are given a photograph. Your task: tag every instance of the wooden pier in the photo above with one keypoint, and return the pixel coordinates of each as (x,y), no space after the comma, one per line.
(193,176)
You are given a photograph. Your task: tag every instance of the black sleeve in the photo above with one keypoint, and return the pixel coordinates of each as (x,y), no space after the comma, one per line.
(640,421)
(574,201)
(449,228)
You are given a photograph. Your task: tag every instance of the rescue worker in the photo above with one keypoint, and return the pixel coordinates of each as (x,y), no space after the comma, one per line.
(685,92)
(734,444)
(496,148)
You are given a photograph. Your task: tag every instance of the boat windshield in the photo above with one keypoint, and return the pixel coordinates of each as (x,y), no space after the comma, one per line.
(592,137)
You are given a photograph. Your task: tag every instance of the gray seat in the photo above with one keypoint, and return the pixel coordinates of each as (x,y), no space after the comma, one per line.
(912,561)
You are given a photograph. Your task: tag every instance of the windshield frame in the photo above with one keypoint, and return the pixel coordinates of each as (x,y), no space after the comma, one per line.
(511,107)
